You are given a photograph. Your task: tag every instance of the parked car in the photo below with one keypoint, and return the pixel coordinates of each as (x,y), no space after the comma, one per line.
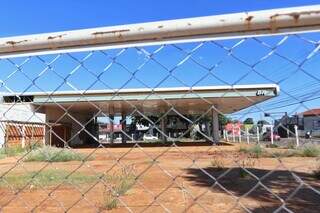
(267,136)
(148,137)
(308,134)
(102,137)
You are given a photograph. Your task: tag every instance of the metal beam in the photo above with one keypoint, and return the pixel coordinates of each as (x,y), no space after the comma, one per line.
(257,23)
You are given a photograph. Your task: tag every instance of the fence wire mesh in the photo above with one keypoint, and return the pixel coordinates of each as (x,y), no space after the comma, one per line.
(199,126)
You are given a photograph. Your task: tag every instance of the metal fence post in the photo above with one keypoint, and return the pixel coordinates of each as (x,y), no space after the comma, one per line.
(23,140)
(258,135)
(296,134)
(271,135)
(43,135)
(247,135)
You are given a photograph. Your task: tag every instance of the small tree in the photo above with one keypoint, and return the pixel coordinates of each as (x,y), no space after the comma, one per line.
(262,122)
(248,121)
(223,120)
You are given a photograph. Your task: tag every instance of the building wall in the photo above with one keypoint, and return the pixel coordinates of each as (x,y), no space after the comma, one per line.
(311,123)
(22,112)
(23,134)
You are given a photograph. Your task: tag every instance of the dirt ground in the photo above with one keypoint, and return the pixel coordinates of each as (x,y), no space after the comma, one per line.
(173,179)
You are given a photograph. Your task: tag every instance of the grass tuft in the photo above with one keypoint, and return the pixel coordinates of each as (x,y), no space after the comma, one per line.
(217,163)
(255,151)
(53,154)
(45,178)
(11,151)
(272,146)
(117,185)
(246,164)
(310,151)
(305,151)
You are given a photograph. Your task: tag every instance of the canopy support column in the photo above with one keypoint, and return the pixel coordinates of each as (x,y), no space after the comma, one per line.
(164,128)
(215,126)
(123,127)
(111,118)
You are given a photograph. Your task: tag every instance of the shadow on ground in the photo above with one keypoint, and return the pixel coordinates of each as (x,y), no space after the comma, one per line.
(281,183)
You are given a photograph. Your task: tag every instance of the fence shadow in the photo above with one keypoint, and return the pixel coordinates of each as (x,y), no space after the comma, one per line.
(280,182)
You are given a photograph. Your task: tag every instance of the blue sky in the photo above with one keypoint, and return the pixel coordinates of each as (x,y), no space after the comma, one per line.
(26,17)
(20,17)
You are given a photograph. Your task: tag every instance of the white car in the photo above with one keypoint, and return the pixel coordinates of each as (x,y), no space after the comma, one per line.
(118,139)
(147,137)
(102,137)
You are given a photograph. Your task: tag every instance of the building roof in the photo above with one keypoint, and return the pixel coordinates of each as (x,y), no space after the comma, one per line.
(312,112)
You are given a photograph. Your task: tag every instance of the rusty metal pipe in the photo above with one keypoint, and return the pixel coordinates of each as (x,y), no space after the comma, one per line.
(257,23)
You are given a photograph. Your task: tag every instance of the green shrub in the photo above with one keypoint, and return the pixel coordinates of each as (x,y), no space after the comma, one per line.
(53,154)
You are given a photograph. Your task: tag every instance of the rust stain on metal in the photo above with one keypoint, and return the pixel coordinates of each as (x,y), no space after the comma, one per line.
(189,24)
(248,21)
(57,36)
(111,31)
(295,15)
(273,24)
(160,26)
(249,18)
(15,42)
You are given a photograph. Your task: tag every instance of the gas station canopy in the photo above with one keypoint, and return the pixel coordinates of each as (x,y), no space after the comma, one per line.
(186,100)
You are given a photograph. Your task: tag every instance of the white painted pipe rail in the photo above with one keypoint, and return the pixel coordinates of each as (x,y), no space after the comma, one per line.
(257,23)
(247,135)
(296,135)
(233,134)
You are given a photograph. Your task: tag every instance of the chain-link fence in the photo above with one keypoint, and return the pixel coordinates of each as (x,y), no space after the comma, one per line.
(209,114)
